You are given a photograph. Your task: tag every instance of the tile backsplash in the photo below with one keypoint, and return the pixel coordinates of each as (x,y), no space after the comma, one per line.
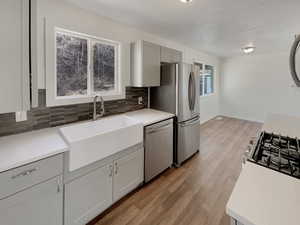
(45,117)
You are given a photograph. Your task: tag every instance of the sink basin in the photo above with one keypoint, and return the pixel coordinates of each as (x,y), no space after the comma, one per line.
(95,140)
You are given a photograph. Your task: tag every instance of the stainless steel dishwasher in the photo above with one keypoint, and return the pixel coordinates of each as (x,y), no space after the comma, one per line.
(158,148)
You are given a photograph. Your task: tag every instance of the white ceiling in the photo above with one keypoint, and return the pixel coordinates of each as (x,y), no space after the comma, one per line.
(221,27)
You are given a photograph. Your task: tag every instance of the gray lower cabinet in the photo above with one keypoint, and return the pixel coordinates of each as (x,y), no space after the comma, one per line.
(129,173)
(91,193)
(88,196)
(41,204)
(33,194)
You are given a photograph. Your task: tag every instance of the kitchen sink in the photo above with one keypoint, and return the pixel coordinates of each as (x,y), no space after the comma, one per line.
(95,140)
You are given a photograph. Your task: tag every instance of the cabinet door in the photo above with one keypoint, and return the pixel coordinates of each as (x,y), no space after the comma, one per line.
(14,55)
(128,174)
(88,196)
(170,55)
(151,64)
(39,205)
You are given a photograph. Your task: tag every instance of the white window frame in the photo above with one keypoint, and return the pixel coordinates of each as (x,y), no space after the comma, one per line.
(203,77)
(48,66)
(90,41)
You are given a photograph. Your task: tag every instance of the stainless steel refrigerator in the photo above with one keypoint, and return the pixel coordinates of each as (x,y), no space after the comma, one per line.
(179,94)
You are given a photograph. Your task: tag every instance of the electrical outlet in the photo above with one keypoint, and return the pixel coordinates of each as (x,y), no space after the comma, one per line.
(140,101)
(21,116)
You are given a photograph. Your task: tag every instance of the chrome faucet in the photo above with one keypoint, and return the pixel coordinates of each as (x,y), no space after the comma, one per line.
(102,109)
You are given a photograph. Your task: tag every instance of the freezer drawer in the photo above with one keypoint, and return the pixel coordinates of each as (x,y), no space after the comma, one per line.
(188,140)
(158,148)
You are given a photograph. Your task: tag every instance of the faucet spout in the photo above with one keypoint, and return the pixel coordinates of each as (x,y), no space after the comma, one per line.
(102,108)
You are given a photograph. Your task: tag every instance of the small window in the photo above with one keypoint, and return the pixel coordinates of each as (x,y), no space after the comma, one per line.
(199,71)
(208,77)
(85,65)
(206,73)
(104,67)
(71,65)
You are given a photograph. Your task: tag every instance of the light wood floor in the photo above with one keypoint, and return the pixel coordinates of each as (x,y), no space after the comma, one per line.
(195,194)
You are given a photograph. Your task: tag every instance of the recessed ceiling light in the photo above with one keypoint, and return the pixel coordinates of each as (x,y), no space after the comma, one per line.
(186,1)
(248,49)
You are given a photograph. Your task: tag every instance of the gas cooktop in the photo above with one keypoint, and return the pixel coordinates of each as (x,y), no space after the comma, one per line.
(277,152)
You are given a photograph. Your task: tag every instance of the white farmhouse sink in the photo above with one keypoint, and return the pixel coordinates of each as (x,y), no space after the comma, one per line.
(95,140)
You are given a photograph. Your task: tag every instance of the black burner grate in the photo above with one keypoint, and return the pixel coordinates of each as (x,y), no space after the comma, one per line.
(280,153)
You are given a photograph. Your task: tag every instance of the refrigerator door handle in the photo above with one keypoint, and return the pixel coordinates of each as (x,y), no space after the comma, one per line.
(190,92)
(190,123)
(193,91)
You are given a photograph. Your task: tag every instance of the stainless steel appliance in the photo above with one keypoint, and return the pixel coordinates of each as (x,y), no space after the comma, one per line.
(294,61)
(158,148)
(179,94)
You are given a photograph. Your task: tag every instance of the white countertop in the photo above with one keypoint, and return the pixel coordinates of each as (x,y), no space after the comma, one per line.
(149,116)
(283,124)
(18,150)
(263,196)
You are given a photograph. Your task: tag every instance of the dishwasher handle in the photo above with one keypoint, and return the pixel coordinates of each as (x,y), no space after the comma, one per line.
(157,129)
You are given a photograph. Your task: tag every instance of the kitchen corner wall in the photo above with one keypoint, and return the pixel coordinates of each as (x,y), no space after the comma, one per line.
(46,117)
(253,86)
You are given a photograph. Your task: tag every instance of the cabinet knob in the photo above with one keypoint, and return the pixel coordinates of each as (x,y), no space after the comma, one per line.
(116,168)
(110,170)
(58,185)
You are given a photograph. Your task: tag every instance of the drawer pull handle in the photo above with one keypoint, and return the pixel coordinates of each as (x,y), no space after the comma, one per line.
(24,173)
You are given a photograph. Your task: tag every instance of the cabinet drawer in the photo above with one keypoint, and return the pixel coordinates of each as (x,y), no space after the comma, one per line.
(18,179)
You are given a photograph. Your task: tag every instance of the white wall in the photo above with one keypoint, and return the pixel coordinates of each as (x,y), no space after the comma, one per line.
(254,85)
(68,16)
(209,105)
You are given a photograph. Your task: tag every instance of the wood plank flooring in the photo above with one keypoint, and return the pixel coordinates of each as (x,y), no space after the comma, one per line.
(196,193)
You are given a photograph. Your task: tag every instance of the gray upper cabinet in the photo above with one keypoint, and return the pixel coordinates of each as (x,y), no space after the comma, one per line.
(170,55)
(14,56)
(145,64)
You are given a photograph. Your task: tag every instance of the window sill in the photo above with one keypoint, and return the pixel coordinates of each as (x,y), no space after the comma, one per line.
(50,101)
(208,95)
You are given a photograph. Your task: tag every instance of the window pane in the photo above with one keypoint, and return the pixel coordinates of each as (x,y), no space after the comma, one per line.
(208,85)
(199,70)
(71,65)
(103,67)
(209,80)
(201,85)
